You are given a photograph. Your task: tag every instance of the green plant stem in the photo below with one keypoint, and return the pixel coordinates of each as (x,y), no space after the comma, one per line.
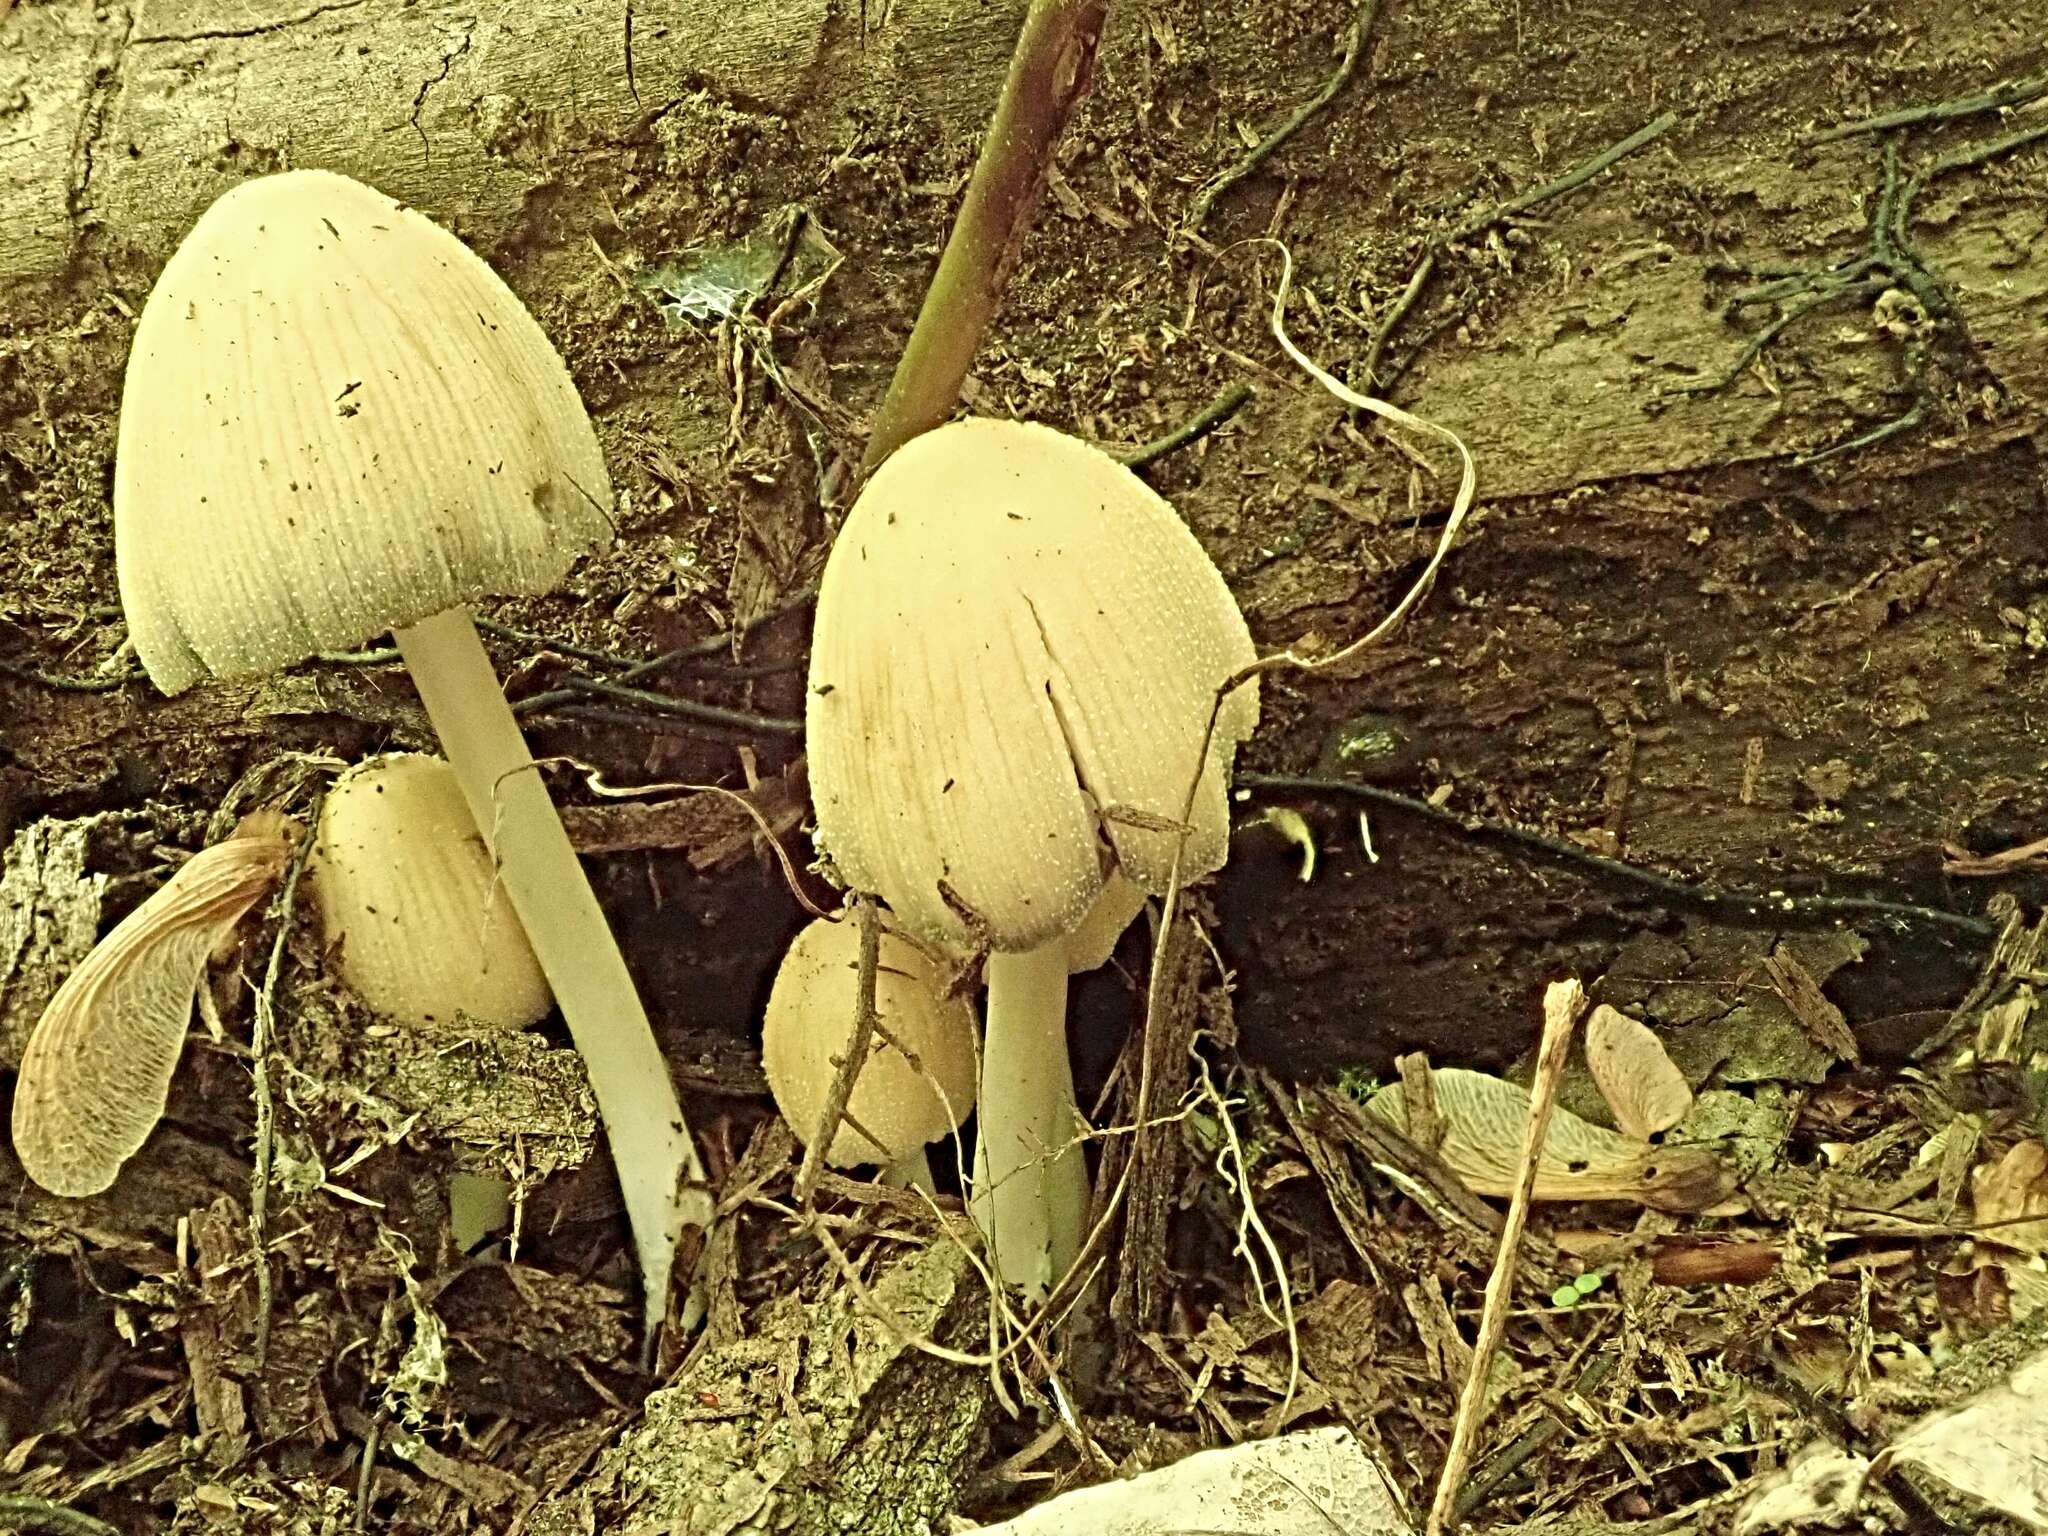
(1049,74)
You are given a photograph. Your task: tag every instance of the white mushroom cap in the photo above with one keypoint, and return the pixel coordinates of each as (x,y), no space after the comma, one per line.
(336,420)
(406,889)
(805,1030)
(1014,635)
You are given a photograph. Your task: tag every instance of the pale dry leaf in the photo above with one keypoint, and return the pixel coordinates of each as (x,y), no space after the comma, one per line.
(1310,1481)
(98,1068)
(1634,1074)
(2011,1198)
(1483,1117)
(1993,1448)
(1821,1484)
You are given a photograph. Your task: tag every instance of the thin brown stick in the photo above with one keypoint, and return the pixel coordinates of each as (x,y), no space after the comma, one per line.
(2004,862)
(1049,74)
(2011,94)
(1563,1002)
(1193,430)
(858,1040)
(1347,67)
(1521,202)
(262,1032)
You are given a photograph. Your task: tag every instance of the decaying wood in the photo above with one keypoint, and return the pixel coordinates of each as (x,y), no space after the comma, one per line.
(49,917)
(130,118)
(710,828)
(1817,1015)
(1154,1154)
(824,1418)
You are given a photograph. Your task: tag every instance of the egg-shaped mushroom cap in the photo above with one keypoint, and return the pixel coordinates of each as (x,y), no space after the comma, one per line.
(805,1030)
(336,420)
(410,903)
(1017,649)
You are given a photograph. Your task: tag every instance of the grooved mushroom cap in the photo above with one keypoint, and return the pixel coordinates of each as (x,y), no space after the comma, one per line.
(337,420)
(810,1015)
(406,889)
(1014,634)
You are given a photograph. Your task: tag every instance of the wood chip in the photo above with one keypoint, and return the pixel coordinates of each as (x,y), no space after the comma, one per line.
(1809,1005)
(712,828)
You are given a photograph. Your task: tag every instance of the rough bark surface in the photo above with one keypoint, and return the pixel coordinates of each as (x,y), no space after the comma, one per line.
(124,121)
(1631,645)
(1671,635)
(824,1419)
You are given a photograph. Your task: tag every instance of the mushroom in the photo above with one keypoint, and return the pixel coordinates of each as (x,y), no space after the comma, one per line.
(410,904)
(1017,652)
(917,1083)
(337,420)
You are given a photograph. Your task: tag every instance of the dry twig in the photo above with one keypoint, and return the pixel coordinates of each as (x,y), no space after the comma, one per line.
(1816,911)
(1480,222)
(1562,1004)
(261,1031)
(1347,68)
(859,1039)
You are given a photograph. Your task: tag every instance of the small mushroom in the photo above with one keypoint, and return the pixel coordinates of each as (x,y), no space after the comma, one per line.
(337,420)
(410,903)
(1014,668)
(917,1083)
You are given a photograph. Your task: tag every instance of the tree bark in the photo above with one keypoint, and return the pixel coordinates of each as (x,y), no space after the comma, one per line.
(1666,635)
(118,124)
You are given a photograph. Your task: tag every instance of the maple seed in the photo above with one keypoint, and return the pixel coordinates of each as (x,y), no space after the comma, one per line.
(98,1068)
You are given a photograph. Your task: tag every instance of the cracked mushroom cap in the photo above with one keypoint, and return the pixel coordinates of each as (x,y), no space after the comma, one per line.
(1015,635)
(805,1030)
(410,901)
(336,420)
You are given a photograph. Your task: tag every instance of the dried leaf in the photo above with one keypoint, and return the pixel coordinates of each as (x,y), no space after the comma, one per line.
(1822,1483)
(1993,1448)
(1637,1078)
(2011,1198)
(98,1068)
(1483,1119)
(1313,1480)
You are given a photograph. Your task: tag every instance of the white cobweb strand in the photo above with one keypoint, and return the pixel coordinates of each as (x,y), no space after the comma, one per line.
(659,1171)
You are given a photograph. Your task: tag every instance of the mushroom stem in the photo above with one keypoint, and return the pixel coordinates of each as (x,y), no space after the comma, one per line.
(659,1171)
(1030,1194)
